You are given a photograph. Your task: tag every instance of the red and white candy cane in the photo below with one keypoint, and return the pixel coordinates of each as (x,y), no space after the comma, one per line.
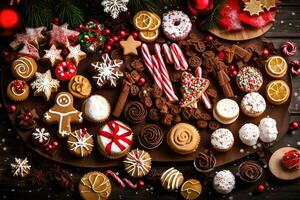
(289,48)
(148,62)
(204,96)
(176,52)
(167,85)
(156,73)
(295,67)
(116,177)
(167,52)
(121,181)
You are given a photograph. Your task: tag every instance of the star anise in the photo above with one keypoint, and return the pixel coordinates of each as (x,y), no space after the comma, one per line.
(37,177)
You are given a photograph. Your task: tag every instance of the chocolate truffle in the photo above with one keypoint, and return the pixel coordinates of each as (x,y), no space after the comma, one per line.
(135,112)
(249,171)
(151,136)
(205,161)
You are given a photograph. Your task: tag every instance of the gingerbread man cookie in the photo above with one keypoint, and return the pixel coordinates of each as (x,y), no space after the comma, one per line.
(63,113)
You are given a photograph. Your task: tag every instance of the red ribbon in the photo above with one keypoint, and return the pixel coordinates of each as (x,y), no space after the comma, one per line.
(115,138)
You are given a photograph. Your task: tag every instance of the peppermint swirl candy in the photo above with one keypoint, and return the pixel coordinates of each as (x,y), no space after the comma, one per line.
(205,161)
(289,48)
(135,112)
(295,67)
(24,68)
(250,171)
(151,136)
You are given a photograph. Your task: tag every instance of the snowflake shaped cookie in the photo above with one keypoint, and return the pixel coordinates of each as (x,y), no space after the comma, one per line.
(53,55)
(44,85)
(114,7)
(20,167)
(107,71)
(41,137)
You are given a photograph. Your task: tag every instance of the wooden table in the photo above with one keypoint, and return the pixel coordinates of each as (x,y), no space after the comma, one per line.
(287,27)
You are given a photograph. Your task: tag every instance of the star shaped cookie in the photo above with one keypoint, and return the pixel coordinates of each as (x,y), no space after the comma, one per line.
(59,35)
(130,45)
(268,4)
(254,7)
(53,55)
(75,55)
(30,50)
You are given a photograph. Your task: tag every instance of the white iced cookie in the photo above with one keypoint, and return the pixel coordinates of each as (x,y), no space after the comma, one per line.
(222,139)
(253,104)
(226,111)
(268,130)
(249,134)
(224,182)
(96,108)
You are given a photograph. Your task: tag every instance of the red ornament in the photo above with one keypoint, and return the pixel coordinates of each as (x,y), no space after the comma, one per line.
(141,183)
(233,73)
(107,48)
(122,34)
(141,81)
(265,52)
(11,108)
(135,34)
(9,18)
(56,20)
(197,7)
(231,67)
(106,31)
(260,188)
(221,55)
(64,71)
(200,4)
(294,125)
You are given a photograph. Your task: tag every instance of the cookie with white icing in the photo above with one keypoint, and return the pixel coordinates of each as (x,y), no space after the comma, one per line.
(253,104)
(226,111)
(171,179)
(268,130)
(80,143)
(224,182)
(249,134)
(96,108)
(222,139)
(40,137)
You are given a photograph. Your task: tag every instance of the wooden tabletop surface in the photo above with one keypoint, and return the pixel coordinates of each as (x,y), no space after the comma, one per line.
(287,27)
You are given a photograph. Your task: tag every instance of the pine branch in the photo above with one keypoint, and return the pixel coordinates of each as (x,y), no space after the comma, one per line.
(211,21)
(151,5)
(68,12)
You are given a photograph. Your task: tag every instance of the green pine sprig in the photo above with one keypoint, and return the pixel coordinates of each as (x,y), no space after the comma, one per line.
(211,21)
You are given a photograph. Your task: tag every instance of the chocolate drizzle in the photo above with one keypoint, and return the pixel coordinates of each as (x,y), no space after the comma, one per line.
(135,112)
(151,136)
(250,171)
(205,161)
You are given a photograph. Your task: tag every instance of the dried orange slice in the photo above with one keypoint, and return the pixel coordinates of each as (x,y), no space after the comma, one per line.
(278,92)
(149,36)
(276,66)
(142,20)
(156,21)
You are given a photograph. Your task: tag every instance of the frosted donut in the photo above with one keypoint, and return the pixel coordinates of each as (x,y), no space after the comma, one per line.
(289,48)
(176,25)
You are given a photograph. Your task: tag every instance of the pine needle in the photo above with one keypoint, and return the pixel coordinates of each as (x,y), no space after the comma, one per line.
(68,12)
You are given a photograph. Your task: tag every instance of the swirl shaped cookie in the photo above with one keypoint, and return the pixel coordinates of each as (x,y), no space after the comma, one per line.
(24,68)
(135,112)
(151,136)
(183,138)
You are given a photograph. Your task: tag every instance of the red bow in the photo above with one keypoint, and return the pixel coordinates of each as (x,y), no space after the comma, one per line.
(115,138)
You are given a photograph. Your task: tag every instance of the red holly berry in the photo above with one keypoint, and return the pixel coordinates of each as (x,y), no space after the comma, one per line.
(56,20)
(141,81)
(209,38)
(106,31)
(115,38)
(50,146)
(260,188)
(294,125)
(135,34)
(233,73)
(141,183)
(231,67)
(122,34)
(12,108)
(110,41)
(55,143)
(107,48)
(221,55)
(265,52)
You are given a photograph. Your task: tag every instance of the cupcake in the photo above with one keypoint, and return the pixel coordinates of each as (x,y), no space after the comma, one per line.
(226,111)
(137,163)
(171,179)
(94,186)
(249,134)
(253,104)
(151,136)
(191,189)
(96,109)
(222,140)
(183,138)
(250,171)
(205,161)
(268,130)
(18,90)
(224,182)
(114,139)
(249,79)
(80,143)
(24,68)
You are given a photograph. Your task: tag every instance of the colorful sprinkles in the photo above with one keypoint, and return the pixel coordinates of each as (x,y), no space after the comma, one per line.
(249,79)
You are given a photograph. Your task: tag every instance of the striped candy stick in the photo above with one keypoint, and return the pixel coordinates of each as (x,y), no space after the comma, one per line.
(204,96)
(167,52)
(178,54)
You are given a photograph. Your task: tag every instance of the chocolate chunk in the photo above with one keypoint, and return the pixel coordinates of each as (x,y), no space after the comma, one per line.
(129,78)
(199,46)
(164,109)
(137,65)
(116,54)
(212,93)
(175,109)
(135,75)
(196,113)
(175,76)
(186,113)
(122,99)
(205,116)
(208,54)
(195,61)
(134,90)
(154,114)
(135,112)
(202,124)
(160,102)
(242,53)
(191,52)
(148,101)
(177,118)
(213,125)
(193,36)
(167,119)
(157,92)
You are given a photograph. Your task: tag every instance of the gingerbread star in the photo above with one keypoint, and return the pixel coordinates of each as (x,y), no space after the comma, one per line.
(75,55)
(268,4)
(32,35)
(53,55)
(30,50)
(254,7)
(130,45)
(59,35)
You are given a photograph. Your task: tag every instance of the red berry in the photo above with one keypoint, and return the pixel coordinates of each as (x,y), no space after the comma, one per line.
(122,34)
(12,108)
(108,48)
(106,31)
(55,144)
(294,125)
(115,38)
(141,81)
(50,147)
(56,20)
(260,188)
(135,34)
(265,52)
(209,38)
(141,183)
(231,67)
(110,41)
(233,73)
(221,55)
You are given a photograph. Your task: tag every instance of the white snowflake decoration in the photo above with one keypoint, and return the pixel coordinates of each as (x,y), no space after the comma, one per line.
(20,167)
(114,7)
(81,142)
(44,84)
(107,71)
(41,135)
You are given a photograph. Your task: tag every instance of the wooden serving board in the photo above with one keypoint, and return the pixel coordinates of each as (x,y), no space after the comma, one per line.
(161,154)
